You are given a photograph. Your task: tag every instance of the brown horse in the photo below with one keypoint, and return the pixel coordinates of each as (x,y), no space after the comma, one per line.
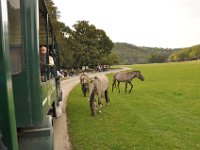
(99,86)
(126,77)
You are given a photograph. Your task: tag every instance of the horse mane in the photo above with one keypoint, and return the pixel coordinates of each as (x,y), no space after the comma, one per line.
(136,71)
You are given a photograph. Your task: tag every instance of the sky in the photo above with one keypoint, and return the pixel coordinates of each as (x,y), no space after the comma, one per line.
(152,23)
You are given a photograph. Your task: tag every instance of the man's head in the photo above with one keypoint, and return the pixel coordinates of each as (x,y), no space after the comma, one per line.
(43,50)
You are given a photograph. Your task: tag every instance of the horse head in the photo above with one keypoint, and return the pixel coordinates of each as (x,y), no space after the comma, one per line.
(140,76)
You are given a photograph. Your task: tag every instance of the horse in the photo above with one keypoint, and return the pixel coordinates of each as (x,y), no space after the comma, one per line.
(126,77)
(84,80)
(98,86)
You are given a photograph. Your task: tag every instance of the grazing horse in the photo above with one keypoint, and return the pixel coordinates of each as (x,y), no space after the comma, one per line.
(99,85)
(84,80)
(126,77)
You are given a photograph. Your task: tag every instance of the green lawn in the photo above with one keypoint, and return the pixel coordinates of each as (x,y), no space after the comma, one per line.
(161,113)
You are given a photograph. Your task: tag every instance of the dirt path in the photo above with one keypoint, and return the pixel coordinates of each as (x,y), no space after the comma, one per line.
(61,135)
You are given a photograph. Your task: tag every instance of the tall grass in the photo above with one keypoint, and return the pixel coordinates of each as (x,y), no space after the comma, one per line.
(163,112)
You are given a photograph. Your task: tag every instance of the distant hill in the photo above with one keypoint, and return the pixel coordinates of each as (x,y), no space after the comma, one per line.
(131,54)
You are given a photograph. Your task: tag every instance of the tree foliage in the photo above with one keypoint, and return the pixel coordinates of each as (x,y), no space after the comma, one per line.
(90,44)
(156,58)
(131,54)
(186,54)
(110,59)
(60,30)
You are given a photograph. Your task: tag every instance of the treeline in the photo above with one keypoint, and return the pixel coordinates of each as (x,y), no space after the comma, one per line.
(132,54)
(186,54)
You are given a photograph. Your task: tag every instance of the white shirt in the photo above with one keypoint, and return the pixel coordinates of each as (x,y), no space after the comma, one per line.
(51,61)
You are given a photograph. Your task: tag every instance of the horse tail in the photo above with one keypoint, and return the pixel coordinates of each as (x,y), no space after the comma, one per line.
(92,102)
(92,94)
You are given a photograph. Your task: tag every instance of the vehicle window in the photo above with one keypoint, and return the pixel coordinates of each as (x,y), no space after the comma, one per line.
(42,28)
(46,39)
(15,36)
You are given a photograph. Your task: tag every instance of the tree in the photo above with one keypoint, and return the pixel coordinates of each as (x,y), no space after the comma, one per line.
(111,59)
(91,44)
(52,10)
(195,52)
(185,54)
(104,43)
(171,58)
(182,55)
(61,32)
(156,58)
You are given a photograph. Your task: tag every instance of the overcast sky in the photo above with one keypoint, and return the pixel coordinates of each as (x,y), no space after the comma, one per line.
(154,23)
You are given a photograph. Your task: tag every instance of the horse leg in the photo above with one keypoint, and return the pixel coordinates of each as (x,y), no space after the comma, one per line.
(118,86)
(84,90)
(131,87)
(106,97)
(100,103)
(113,84)
(126,87)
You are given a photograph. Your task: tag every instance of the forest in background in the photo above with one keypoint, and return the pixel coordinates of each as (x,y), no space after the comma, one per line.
(132,54)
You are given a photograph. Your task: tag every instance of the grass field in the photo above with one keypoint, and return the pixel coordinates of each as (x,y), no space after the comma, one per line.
(161,113)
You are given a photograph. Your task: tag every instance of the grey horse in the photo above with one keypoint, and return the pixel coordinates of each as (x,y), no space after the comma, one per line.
(98,86)
(126,77)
